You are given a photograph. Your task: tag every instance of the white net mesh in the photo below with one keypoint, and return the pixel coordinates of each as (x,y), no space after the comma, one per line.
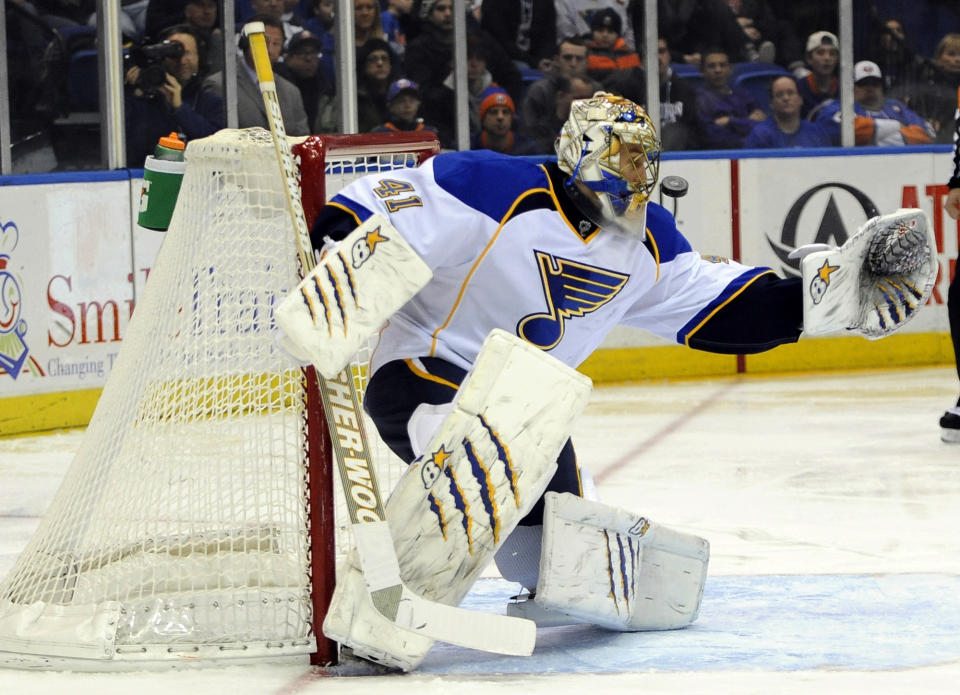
(181,526)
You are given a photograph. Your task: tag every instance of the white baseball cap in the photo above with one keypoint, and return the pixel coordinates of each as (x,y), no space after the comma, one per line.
(822,38)
(866,69)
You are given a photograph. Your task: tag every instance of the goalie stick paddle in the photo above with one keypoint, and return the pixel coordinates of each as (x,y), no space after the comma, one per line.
(394,600)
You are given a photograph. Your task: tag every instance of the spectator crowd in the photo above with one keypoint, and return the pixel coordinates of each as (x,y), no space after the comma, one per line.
(731,73)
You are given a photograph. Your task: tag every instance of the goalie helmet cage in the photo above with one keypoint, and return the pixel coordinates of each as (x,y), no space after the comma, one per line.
(197,520)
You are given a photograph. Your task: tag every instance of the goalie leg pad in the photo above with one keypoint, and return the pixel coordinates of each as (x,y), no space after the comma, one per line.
(488,464)
(875,282)
(359,284)
(485,468)
(612,568)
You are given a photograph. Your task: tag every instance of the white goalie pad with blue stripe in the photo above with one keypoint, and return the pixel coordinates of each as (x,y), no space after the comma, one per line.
(612,568)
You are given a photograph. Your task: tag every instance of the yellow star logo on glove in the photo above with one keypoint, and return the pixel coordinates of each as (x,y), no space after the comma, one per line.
(826,270)
(440,456)
(373,238)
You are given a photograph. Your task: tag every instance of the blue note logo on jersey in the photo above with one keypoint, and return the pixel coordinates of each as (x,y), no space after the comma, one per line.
(571,289)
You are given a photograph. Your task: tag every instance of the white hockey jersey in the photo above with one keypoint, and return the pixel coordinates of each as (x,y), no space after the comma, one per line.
(506,255)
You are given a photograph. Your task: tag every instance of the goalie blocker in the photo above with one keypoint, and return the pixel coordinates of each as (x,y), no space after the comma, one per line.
(875,282)
(358,284)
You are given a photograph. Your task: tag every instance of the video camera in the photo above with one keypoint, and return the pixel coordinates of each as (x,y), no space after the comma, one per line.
(149,58)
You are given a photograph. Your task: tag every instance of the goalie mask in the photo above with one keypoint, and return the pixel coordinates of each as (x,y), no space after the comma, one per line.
(589,150)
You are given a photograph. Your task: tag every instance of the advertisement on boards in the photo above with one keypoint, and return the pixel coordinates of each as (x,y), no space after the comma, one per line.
(65,284)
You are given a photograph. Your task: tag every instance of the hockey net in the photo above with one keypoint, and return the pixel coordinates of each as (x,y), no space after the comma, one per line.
(198,519)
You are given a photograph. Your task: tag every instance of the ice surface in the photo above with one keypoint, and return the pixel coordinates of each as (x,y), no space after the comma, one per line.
(832,510)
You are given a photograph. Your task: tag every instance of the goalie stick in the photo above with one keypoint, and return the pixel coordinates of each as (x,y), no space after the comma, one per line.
(381,569)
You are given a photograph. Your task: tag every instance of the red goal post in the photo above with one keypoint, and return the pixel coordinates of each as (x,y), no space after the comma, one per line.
(199,518)
(326,164)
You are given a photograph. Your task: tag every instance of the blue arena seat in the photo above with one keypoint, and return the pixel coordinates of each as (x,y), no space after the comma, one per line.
(82,81)
(688,73)
(756,79)
(685,70)
(743,69)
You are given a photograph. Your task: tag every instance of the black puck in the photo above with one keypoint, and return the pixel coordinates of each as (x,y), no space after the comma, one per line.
(674,186)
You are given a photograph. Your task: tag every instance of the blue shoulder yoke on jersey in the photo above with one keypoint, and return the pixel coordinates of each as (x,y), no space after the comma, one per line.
(663,236)
(487,181)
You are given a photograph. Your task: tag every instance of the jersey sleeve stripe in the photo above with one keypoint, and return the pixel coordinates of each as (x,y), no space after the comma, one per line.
(351,207)
(651,244)
(662,227)
(730,292)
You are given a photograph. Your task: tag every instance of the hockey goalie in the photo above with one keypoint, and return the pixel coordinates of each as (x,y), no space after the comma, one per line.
(491,278)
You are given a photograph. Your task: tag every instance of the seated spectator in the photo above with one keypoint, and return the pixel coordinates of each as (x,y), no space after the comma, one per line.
(693,26)
(275,9)
(376,72)
(430,55)
(320,18)
(771,38)
(527,31)
(178,104)
(392,20)
(934,97)
(679,126)
(785,128)
(367,25)
(478,80)
(727,114)
(539,103)
(403,106)
(820,82)
(250,109)
(320,24)
(879,120)
(890,50)
(573,18)
(161,14)
(202,16)
(292,14)
(496,123)
(300,64)
(132,18)
(607,51)
(429,62)
(544,129)
(758,24)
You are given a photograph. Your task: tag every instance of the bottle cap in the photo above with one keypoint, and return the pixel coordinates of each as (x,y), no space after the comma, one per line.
(172,141)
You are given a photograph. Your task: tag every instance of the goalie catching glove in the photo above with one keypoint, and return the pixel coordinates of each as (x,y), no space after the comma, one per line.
(359,284)
(875,282)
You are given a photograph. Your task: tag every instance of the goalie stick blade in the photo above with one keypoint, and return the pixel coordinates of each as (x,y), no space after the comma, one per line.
(486,632)
(500,634)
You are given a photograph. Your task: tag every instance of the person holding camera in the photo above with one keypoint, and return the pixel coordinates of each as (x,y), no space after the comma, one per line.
(163,94)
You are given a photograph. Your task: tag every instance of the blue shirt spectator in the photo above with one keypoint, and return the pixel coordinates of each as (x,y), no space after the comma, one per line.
(768,135)
(879,120)
(785,129)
